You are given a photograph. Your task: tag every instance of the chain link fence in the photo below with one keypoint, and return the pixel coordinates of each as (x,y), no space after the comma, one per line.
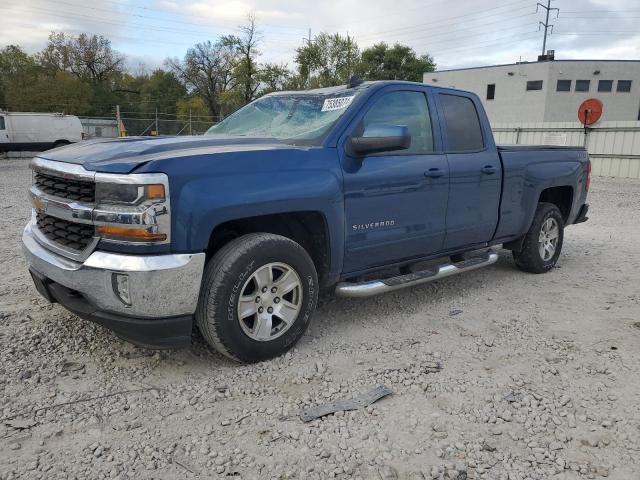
(107,127)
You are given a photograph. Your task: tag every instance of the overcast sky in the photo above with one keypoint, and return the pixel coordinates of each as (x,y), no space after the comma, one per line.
(456,32)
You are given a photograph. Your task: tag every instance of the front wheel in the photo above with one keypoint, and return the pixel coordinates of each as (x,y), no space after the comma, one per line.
(543,242)
(257,298)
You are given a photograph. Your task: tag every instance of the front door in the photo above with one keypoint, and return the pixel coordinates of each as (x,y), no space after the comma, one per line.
(475,174)
(395,202)
(4,132)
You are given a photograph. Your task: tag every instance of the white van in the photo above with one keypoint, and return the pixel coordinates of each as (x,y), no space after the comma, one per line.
(37,131)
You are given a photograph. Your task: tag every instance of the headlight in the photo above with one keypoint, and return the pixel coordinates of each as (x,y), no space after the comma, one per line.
(123,194)
(133,208)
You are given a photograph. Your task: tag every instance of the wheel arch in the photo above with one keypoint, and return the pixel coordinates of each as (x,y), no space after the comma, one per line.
(61,143)
(561,197)
(308,228)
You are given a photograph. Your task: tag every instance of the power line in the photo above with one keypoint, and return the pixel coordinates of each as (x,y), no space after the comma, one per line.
(455,18)
(608,32)
(183,15)
(392,14)
(523,36)
(481,26)
(600,11)
(171,20)
(112,36)
(141,26)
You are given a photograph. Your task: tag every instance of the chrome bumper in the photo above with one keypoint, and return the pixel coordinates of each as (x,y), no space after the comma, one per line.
(159,285)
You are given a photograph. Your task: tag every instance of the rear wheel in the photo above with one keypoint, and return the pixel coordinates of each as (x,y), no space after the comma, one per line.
(543,242)
(257,298)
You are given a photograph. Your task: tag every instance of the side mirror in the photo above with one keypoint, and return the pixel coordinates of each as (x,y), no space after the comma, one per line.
(380,138)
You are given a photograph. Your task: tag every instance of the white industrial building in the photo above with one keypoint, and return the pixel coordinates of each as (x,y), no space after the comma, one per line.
(550,90)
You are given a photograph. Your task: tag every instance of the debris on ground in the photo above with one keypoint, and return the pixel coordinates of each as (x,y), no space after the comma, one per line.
(361,401)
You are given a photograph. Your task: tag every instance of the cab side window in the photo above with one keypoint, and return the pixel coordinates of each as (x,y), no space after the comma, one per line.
(408,109)
(2,127)
(464,132)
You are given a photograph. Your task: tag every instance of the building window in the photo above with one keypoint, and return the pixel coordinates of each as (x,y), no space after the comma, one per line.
(563,86)
(491,91)
(605,85)
(624,86)
(582,85)
(534,85)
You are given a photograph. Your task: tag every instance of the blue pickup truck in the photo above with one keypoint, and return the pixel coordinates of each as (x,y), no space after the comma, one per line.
(360,189)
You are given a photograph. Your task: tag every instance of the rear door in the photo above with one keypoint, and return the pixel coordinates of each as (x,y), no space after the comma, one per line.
(475,172)
(4,132)
(395,202)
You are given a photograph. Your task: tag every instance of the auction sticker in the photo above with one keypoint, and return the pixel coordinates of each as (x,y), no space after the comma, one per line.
(339,103)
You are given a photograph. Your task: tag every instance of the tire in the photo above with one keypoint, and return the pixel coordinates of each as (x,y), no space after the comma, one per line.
(531,258)
(238,270)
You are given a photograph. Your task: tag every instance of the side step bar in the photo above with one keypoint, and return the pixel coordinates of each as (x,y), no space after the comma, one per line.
(375,287)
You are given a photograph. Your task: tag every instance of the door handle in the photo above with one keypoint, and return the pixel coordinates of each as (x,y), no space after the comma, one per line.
(489,169)
(434,173)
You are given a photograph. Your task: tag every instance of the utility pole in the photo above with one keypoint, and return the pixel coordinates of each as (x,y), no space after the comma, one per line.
(546,24)
(157,129)
(190,122)
(119,121)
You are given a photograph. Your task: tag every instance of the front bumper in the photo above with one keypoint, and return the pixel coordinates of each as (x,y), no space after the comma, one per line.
(163,290)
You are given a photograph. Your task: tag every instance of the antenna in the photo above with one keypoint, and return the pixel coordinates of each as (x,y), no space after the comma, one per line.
(546,24)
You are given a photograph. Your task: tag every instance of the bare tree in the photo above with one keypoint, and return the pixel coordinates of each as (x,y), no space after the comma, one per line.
(88,57)
(207,70)
(247,69)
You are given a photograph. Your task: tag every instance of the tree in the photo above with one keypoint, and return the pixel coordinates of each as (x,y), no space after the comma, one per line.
(24,85)
(195,111)
(88,57)
(399,62)
(329,60)
(162,89)
(18,71)
(207,71)
(274,77)
(246,71)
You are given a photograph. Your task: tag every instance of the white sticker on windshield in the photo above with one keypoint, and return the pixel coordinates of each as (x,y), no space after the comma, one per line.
(339,103)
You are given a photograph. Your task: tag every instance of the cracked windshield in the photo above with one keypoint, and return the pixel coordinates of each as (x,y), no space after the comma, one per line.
(286,117)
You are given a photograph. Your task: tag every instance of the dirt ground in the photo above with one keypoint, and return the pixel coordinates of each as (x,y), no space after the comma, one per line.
(496,374)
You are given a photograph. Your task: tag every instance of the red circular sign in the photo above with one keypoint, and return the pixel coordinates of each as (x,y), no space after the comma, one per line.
(590,111)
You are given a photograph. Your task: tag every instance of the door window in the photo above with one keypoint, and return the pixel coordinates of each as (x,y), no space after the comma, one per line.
(408,109)
(462,123)
(2,127)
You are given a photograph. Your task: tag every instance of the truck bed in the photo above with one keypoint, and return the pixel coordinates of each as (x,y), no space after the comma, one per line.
(529,169)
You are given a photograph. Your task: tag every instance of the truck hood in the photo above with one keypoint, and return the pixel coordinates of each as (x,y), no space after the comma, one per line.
(123,155)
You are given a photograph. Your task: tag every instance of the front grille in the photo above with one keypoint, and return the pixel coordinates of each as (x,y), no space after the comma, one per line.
(71,189)
(71,235)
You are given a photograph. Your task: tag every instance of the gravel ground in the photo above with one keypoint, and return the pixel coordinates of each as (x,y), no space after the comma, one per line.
(496,374)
